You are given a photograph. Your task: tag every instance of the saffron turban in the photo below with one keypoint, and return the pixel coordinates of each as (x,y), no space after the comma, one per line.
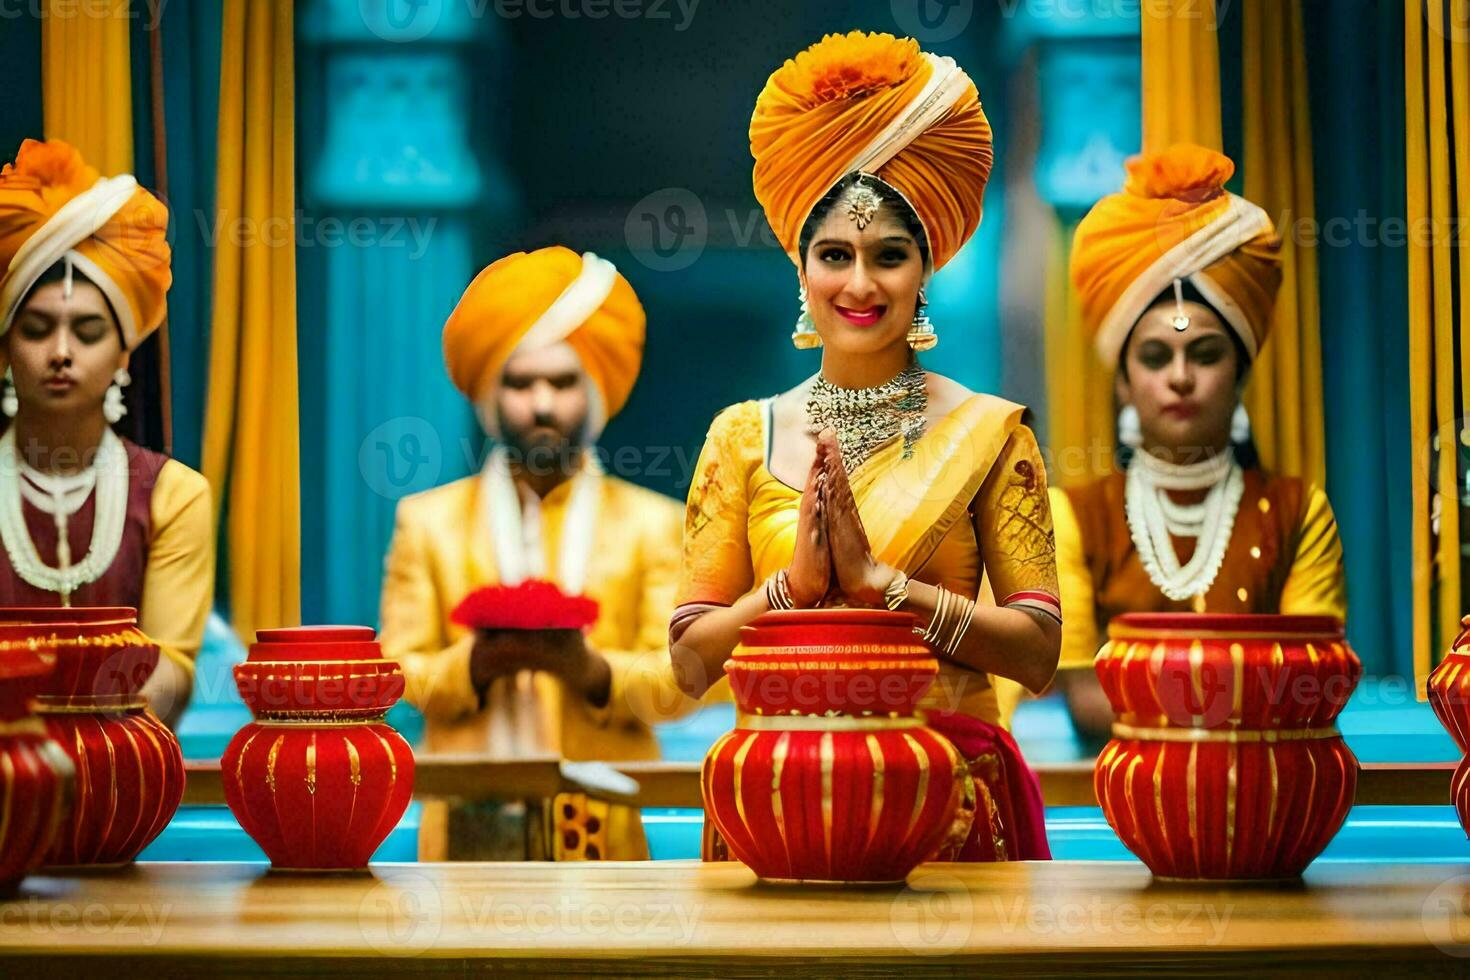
(877,104)
(1175,220)
(55,207)
(533,300)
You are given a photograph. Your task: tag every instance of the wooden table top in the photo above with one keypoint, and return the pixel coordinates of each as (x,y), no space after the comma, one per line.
(470,777)
(690,919)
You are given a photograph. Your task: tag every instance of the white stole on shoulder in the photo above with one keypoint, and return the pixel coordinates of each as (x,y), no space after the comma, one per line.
(519,724)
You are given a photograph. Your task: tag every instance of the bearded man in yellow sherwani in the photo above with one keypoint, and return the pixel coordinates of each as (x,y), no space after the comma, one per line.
(546,345)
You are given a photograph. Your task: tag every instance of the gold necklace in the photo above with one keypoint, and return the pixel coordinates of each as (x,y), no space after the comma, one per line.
(866,418)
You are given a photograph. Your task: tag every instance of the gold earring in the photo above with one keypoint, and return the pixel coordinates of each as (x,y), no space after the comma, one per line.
(921,335)
(805,336)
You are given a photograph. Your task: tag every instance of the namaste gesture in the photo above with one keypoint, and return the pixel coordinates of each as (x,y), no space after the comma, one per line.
(833,564)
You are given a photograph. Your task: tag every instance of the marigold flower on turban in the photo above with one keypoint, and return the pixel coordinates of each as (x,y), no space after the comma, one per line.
(533,300)
(54,207)
(1175,220)
(877,104)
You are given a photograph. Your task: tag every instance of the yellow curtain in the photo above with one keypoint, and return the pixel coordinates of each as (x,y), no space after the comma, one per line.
(1285,392)
(1080,413)
(251,440)
(1437,142)
(86,81)
(1181,74)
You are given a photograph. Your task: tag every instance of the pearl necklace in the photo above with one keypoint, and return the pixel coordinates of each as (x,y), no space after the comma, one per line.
(1153,517)
(61,497)
(866,418)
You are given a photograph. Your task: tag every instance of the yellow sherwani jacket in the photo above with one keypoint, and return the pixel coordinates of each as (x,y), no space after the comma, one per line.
(442,550)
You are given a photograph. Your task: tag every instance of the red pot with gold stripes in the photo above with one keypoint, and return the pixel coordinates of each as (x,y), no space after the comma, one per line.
(129,770)
(1225,761)
(829,775)
(1449,695)
(318,779)
(36,777)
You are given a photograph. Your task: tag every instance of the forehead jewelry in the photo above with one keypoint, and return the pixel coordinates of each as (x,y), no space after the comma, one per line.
(862,204)
(1181,319)
(67,277)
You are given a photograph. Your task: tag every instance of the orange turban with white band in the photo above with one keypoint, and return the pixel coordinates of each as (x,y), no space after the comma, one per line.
(1175,220)
(55,208)
(533,300)
(877,104)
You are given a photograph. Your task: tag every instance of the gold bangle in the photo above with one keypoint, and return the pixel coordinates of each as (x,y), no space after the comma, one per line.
(941,603)
(897,592)
(962,626)
(952,617)
(778,593)
(952,625)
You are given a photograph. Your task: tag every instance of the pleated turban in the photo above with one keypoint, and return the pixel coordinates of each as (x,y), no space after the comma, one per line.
(534,300)
(1175,220)
(877,104)
(55,207)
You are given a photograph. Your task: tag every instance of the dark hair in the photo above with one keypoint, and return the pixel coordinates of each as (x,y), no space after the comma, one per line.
(1193,295)
(57,273)
(892,200)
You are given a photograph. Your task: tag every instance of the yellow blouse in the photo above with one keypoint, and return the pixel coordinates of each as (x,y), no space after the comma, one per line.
(178,586)
(968,510)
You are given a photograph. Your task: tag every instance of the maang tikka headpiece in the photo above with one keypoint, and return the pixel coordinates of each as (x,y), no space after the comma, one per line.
(1181,318)
(862,204)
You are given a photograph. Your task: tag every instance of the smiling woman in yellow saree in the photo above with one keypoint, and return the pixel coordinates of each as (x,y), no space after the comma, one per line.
(915,493)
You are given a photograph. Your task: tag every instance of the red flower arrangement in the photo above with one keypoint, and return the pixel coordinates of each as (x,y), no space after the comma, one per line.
(534,604)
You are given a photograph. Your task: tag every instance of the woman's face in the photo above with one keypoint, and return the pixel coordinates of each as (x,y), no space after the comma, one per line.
(862,285)
(64,350)
(1183,383)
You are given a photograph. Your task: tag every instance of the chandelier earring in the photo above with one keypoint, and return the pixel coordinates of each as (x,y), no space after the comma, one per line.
(1240,425)
(113,408)
(9,403)
(921,335)
(1130,431)
(805,336)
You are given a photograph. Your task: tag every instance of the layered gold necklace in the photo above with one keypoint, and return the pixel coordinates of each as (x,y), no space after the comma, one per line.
(866,418)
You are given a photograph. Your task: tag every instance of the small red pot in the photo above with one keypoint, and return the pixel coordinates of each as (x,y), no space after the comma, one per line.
(129,770)
(318,780)
(1225,761)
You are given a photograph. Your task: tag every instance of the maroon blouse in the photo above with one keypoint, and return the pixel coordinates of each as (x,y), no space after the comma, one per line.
(122,583)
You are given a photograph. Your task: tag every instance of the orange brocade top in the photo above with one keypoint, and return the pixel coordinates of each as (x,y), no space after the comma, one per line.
(968,510)
(1284,556)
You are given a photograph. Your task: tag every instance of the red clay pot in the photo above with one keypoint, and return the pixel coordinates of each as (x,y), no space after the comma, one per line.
(36,776)
(129,770)
(318,779)
(828,774)
(1225,761)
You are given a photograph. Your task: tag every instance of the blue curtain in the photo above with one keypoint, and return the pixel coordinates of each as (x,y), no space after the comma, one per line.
(191,59)
(1356,97)
(20,70)
(1355,67)
(394,182)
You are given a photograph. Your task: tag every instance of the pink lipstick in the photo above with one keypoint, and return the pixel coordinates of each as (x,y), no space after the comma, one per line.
(861,318)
